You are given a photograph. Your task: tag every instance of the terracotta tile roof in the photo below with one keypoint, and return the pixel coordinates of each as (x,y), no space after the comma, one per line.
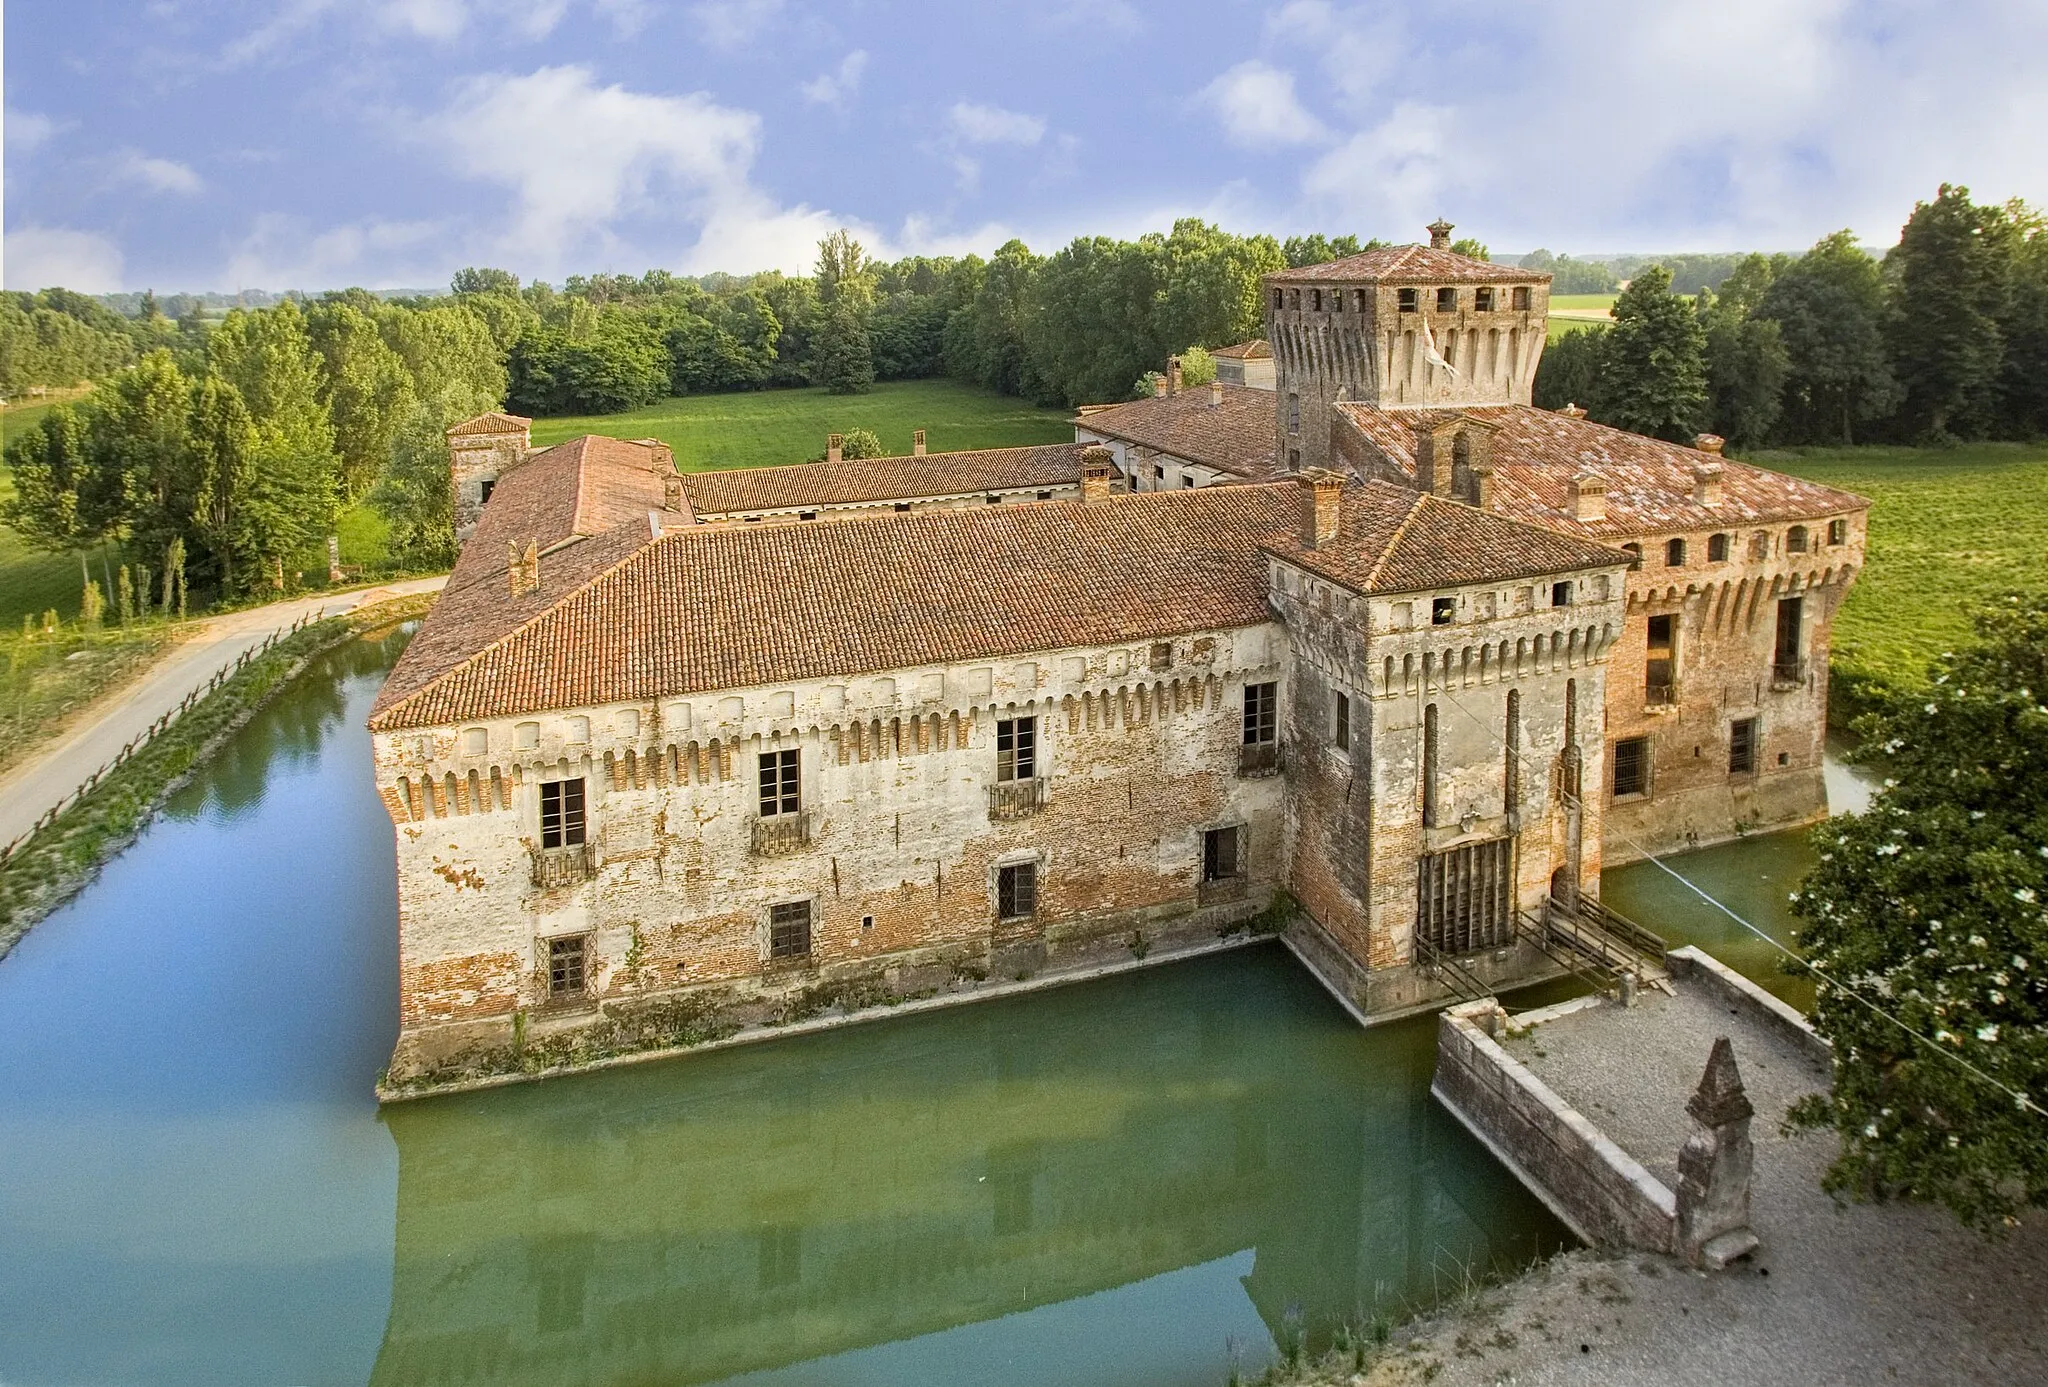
(745,489)
(1236,436)
(1537,453)
(583,487)
(1407,265)
(628,616)
(492,423)
(1256,349)
(1393,539)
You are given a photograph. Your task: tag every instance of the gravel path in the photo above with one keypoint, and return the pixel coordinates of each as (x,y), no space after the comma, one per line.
(1860,1295)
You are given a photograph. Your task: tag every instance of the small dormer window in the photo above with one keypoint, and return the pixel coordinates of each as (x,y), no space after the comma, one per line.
(1406,299)
(1482,301)
(1522,299)
(1447,300)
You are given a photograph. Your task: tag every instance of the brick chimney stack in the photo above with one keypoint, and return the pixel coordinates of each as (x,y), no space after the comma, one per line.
(1173,375)
(1709,443)
(1321,492)
(672,492)
(917,443)
(1215,393)
(1159,387)
(1706,483)
(1440,234)
(522,567)
(1097,466)
(1588,496)
(835,446)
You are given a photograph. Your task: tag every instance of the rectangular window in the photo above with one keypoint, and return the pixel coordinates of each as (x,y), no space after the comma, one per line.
(1838,532)
(1632,766)
(1016,748)
(903,508)
(1220,858)
(561,813)
(1447,300)
(1161,655)
(1406,300)
(1660,667)
(1717,549)
(1443,610)
(1522,299)
(780,792)
(1785,664)
(1158,476)
(1560,594)
(568,965)
(789,930)
(1261,714)
(485,488)
(1017,890)
(1344,721)
(1742,746)
(1482,300)
(1674,553)
(1293,413)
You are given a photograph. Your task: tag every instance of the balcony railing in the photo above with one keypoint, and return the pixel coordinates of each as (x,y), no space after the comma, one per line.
(1015,799)
(1788,674)
(566,866)
(782,835)
(1660,693)
(1258,758)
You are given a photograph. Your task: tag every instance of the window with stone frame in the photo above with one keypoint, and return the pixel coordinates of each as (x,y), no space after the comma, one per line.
(1631,773)
(1447,300)
(1017,890)
(789,930)
(1407,300)
(1261,714)
(1482,301)
(781,783)
(568,966)
(1016,748)
(561,813)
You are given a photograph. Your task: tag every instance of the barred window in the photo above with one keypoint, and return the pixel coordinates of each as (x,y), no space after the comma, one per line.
(1016,748)
(1261,714)
(1742,746)
(789,930)
(780,790)
(1717,548)
(568,965)
(561,813)
(1632,766)
(1017,890)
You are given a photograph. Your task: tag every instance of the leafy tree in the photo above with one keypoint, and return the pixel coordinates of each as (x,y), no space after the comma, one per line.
(1568,373)
(42,346)
(59,502)
(1209,285)
(137,445)
(1948,280)
(268,358)
(1089,326)
(474,280)
(366,388)
(1829,307)
(1319,249)
(606,362)
(1197,367)
(856,444)
(1931,910)
(843,354)
(224,448)
(414,495)
(1470,245)
(448,345)
(2024,406)
(1653,376)
(985,340)
(1746,367)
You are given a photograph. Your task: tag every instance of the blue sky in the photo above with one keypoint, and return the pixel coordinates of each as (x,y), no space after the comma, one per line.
(316,143)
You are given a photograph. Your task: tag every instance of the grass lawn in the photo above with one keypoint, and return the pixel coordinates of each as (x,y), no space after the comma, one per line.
(1949,528)
(769,427)
(1603,302)
(31,582)
(1565,327)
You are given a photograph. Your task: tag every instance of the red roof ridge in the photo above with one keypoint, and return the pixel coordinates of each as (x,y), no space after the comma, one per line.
(1394,540)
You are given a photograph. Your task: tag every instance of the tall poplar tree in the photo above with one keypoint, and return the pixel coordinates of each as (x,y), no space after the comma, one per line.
(366,388)
(1949,289)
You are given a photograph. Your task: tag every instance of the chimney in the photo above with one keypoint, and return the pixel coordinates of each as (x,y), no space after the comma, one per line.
(834,444)
(1482,486)
(1321,490)
(1588,496)
(1215,393)
(1097,466)
(671,492)
(1706,483)
(664,459)
(1159,387)
(1572,411)
(1440,234)
(1709,443)
(522,567)
(1173,375)
(917,443)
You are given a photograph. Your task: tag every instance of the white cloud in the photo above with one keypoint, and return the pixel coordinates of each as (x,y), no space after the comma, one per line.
(837,87)
(974,123)
(282,252)
(156,175)
(1256,105)
(730,24)
(40,257)
(440,21)
(27,131)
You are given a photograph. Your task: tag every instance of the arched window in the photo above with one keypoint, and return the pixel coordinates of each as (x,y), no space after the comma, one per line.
(1717,548)
(1674,554)
(1795,540)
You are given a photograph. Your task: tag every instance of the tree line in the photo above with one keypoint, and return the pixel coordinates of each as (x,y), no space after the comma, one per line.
(1943,339)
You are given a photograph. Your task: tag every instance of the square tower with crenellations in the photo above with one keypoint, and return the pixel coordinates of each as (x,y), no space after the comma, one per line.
(1399,327)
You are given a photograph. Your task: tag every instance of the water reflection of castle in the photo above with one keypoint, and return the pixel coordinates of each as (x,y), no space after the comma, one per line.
(687,1222)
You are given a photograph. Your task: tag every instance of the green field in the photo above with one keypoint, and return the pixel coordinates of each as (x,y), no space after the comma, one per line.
(1603,302)
(1949,529)
(30,582)
(769,427)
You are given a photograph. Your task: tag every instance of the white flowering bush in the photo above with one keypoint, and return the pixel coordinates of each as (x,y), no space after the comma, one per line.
(1930,907)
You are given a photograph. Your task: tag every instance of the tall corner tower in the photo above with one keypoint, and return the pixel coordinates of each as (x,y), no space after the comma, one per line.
(481,450)
(1400,327)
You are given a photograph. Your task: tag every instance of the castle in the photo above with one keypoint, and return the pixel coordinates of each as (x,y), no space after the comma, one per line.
(676,753)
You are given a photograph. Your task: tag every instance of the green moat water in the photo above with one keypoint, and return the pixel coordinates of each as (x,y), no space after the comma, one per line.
(1136,1181)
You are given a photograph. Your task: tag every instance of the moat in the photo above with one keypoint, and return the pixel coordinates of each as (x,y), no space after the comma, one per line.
(1140,1180)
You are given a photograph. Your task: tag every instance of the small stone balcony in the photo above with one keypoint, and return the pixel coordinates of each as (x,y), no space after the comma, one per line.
(1009,800)
(1256,759)
(1788,674)
(564,866)
(781,834)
